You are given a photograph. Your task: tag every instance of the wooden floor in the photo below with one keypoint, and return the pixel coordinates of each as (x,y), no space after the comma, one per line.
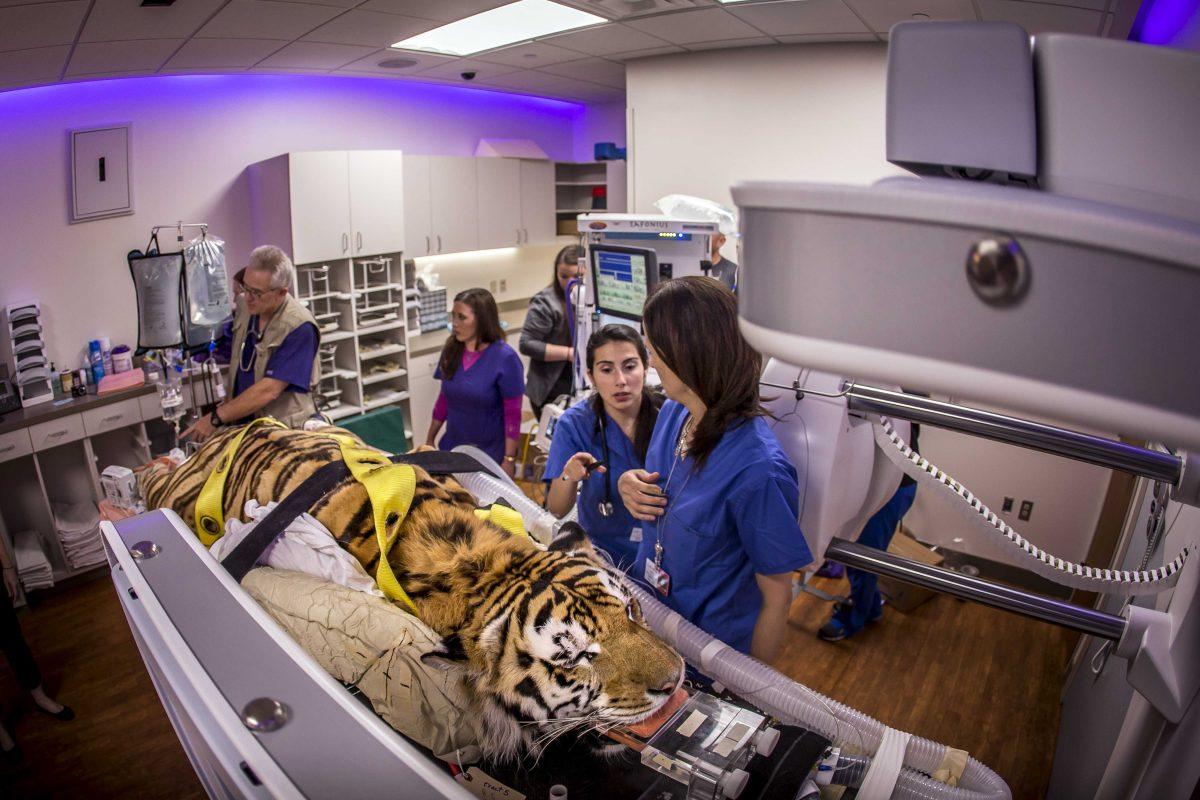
(958,673)
(120,744)
(961,674)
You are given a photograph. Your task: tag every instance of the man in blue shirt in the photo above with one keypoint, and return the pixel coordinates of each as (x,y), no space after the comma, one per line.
(274,354)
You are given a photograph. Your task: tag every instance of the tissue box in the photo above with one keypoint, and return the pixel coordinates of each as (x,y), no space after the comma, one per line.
(120,486)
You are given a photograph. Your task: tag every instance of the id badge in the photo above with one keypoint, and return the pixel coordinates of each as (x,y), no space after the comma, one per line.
(657,577)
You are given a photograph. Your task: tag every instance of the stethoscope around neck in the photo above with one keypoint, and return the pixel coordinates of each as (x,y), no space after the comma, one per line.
(605,507)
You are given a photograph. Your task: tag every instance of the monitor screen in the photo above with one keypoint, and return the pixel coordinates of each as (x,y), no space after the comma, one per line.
(623,277)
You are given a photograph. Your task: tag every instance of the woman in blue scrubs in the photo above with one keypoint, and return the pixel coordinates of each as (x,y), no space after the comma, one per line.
(718,498)
(597,441)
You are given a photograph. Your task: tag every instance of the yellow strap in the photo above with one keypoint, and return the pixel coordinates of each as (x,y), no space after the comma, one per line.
(210,505)
(503,517)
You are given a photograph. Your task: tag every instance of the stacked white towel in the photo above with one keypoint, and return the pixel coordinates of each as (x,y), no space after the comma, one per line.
(33,568)
(78,527)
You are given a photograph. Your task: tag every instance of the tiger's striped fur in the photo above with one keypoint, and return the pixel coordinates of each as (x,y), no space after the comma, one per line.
(550,638)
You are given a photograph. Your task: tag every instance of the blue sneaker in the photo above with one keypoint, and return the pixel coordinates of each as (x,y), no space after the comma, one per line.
(833,631)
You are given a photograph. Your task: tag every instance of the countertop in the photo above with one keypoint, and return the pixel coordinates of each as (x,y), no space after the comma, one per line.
(44,412)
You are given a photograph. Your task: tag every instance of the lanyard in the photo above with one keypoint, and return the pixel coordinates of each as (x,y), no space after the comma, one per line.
(671,497)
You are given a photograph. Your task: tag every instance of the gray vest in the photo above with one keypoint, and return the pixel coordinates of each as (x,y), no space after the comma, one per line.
(290,408)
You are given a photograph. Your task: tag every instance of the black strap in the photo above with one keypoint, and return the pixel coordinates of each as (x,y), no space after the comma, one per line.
(246,553)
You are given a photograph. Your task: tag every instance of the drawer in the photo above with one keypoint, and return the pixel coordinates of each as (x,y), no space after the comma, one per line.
(15,444)
(111,417)
(45,435)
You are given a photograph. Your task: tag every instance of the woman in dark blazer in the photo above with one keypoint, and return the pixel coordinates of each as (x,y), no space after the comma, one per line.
(546,338)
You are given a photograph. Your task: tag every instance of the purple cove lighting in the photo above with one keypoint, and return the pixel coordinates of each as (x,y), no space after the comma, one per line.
(147,87)
(1168,22)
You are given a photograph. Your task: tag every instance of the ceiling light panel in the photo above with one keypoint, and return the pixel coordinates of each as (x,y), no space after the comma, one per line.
(515,22)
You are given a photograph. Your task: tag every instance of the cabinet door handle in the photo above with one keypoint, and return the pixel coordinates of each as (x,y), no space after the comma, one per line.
(345,242)
(439,237)
(56,434)
(116,418)
(518,235)
(526,230)
(426,245)
(9,447)
(359,235)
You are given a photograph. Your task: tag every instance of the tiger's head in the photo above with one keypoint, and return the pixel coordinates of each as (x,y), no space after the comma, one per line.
(563,647)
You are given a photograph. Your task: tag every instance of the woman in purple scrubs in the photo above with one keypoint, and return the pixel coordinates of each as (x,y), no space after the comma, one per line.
(483,383)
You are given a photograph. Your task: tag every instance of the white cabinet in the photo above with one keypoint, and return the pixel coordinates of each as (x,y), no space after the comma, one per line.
(423,391)
(319,195)
(441,210)
(110,417)
(15,444)
(376,179)
(453,204)
(45,435)
(537,201)
(418,222)
(500,210)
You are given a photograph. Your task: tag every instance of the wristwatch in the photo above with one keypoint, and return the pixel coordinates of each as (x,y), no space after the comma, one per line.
(215,420)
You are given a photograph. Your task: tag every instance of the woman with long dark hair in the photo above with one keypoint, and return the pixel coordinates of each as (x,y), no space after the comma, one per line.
(718,498)
(598,440)
(482,384)
(546,337)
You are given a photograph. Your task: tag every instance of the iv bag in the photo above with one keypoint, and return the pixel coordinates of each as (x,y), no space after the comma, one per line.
(207,284)
(158,281)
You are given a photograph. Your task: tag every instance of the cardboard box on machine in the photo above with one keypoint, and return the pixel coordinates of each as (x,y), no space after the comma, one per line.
(901,596)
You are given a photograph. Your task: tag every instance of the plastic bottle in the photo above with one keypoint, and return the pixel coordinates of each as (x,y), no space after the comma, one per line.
(96,360)
(106,355)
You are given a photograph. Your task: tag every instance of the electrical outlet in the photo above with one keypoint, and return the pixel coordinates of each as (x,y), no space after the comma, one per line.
(1008,504)
(492,286)
(1026,510)
(504,284)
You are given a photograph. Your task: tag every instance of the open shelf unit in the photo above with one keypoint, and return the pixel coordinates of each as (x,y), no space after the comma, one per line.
(573,185)
(363,306)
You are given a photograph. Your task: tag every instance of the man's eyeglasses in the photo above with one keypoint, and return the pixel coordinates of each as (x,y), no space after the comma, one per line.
(257,294)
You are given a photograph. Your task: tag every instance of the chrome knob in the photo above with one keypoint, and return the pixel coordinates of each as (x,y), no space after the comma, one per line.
(998,270)
(265,714)
(144,549)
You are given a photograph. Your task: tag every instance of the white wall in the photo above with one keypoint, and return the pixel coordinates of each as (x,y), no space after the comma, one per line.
(192,138)
(603,122)
(704,121)
(701,122)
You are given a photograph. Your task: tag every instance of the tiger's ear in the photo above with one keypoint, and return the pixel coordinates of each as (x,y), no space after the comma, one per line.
(572,538)
(449,654)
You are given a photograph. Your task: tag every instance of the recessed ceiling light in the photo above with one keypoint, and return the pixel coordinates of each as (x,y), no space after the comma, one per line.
(398,63)
(515,22)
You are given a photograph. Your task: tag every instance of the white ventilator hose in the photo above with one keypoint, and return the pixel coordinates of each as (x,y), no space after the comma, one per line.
(1002,537)
(771,691)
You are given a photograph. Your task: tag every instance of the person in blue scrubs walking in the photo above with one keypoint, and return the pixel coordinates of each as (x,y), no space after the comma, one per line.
(600,439)
(718,498)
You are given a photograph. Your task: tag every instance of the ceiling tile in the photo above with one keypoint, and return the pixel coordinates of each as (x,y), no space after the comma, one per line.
(653,51)
(815,38)
(266,19)
(370,64)
(452,71)
(1038,18)
(316,55)
(169,70)
(800,18)
(289,70)
(703,25)
(140,55)
(37,64)
(207,53)
(42,25)
(549,85)
(728,43)
(881,15)
(604,39)
(335,3)
(440,10)
(594,70)
(369,28)
(529,55)
(119,20)
(1096,5)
